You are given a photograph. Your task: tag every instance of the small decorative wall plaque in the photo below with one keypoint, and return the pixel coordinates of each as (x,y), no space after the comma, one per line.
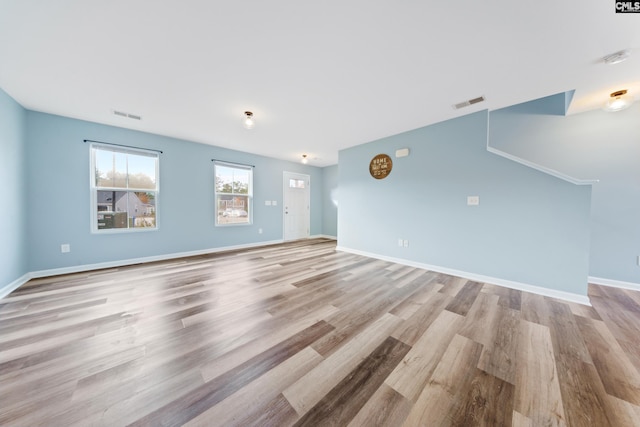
(380,166)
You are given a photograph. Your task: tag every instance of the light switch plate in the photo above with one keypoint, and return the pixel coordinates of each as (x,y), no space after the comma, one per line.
(403,152)
(473,200)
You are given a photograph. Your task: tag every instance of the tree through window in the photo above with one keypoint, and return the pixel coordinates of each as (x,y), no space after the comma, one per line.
(234,193)
(124,188)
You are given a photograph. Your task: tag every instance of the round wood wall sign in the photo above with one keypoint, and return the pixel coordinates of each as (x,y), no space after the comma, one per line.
(380,166)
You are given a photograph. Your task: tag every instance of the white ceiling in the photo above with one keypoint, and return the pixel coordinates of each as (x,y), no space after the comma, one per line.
(319,76)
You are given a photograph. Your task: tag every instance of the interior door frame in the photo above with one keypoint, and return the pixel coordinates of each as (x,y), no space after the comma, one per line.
(285,186)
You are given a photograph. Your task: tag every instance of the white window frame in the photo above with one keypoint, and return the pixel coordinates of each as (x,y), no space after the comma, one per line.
(217,213)
(94,188)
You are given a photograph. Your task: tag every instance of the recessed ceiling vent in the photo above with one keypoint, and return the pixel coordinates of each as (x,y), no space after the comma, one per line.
(469,102)
(127,115)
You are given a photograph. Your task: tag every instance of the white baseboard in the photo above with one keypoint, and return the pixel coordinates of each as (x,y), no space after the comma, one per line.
(323,236)
(142,260)
(6,290)
(614,283)
(580,299)
(567,296)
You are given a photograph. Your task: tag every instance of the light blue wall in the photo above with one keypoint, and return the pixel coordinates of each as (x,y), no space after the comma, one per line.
(330,201)
(58,196)
(592,145)
(530,227)
(13,253)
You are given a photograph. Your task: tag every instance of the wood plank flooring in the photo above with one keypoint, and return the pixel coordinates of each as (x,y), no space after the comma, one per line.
(299,334)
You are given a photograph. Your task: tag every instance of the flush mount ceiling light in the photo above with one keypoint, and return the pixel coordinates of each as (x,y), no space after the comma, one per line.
(247,120)
(616,58)
(618,101)
(305,160)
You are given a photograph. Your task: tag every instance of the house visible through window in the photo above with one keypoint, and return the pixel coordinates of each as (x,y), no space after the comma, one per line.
(124,188)
(234,191)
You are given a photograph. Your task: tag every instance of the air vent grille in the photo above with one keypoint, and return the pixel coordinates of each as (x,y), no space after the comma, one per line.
(127,115)
(469,102)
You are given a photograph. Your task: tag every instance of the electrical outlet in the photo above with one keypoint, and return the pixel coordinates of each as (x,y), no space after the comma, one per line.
(259,230)
(65,248)
(405,243)
(274,203)
(400,242)
(473,200)
(267,202)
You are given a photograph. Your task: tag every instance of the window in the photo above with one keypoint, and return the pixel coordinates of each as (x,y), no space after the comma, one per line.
(296,183)
(124,189)
(234,193)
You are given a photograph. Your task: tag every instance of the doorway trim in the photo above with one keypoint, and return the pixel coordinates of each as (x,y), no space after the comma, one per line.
(286,176)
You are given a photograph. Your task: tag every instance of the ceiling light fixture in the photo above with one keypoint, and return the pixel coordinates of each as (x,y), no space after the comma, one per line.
(618,101)
(616,58)
(304,159)
(247,120)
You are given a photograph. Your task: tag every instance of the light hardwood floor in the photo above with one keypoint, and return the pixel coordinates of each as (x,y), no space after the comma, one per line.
(299,334)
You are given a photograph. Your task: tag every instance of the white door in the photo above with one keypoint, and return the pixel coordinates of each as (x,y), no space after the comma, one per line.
(296,206)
